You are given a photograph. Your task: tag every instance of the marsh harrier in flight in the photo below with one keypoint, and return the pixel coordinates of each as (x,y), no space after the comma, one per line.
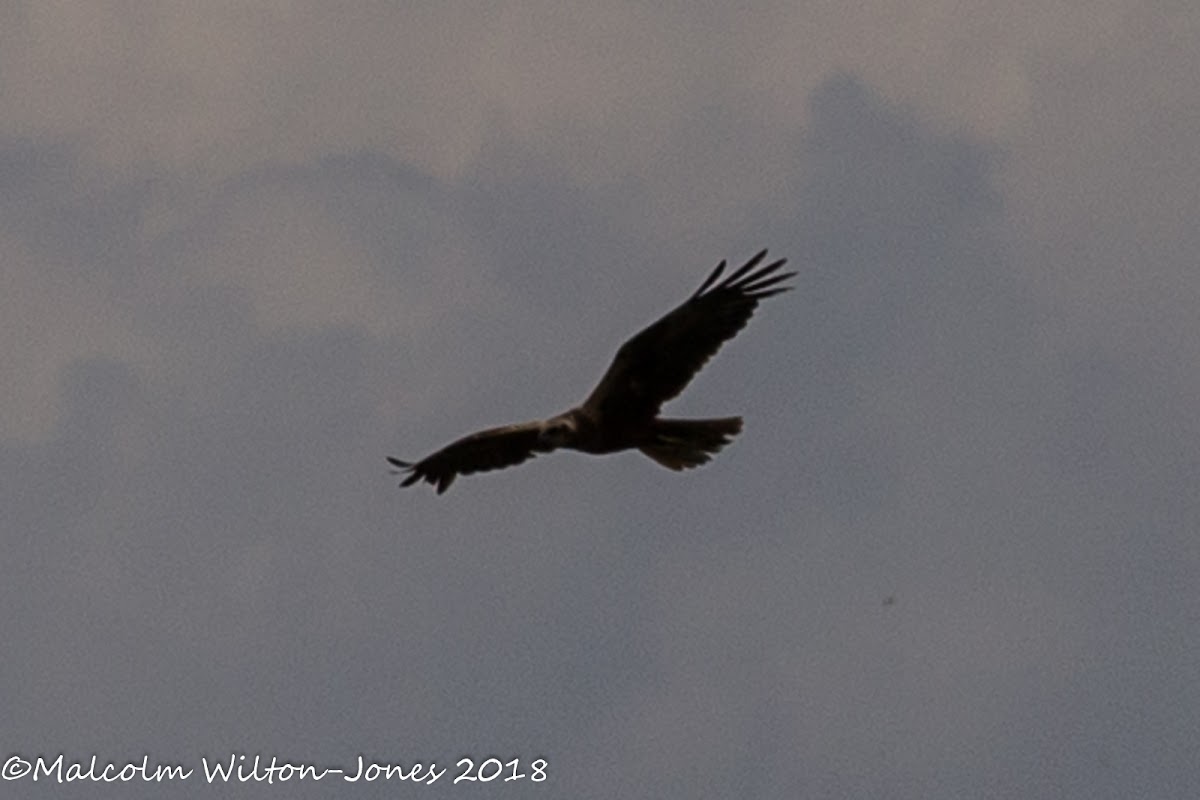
(622,412)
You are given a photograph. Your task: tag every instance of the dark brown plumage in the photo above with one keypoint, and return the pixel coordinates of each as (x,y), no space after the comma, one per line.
(622,412)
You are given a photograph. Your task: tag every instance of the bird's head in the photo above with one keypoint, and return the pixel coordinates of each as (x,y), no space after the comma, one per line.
(555,433)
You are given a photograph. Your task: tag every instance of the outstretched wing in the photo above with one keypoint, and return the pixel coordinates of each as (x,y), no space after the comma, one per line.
(494,448)
(656,364)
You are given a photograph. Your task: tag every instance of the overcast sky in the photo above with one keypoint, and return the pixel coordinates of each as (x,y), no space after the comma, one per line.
(250,249)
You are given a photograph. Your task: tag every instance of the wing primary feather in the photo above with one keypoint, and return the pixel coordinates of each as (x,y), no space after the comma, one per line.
(742,270)
(744,281)
(402,467)
(756,288)
(716,273)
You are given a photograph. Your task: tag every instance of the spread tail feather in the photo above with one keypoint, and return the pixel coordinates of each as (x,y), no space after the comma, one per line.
(686,443)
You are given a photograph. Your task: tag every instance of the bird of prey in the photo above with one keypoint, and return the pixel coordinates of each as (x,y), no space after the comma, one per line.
(622,411)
